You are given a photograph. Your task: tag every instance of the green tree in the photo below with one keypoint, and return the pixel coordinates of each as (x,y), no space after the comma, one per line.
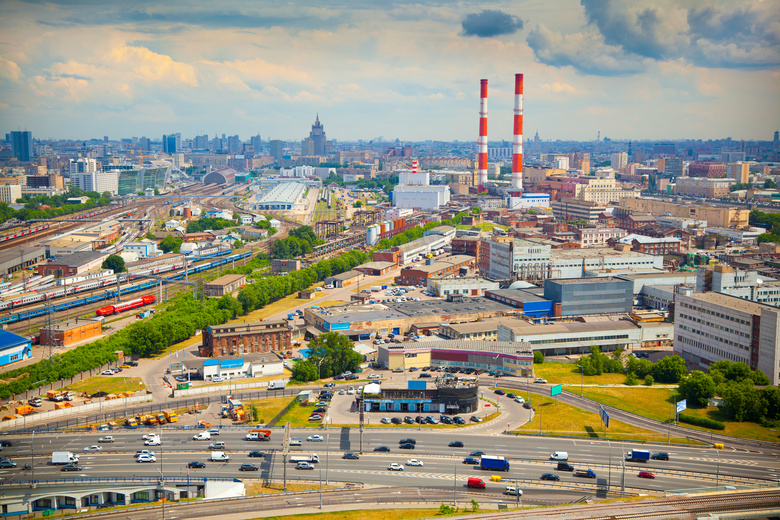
(741,401)
(334,354)
(649,380)
(669,369)
(114,262)
(631,379)
(770,396)
(171,243)
(303,370)
(150,236)
(538,357)
(476,210)
(697,388)
(769,184)
(357,204)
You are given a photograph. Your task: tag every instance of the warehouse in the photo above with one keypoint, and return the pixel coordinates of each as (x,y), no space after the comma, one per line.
(524,299)
(451,266)
(446,394)
(225,284)
(67,332)
(284,196)
(13,348)
(15,259)
(77,263)
(376,268)
(471,286)
(231,339)
(344,279)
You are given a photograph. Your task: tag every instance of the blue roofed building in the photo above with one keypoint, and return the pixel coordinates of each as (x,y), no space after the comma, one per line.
(224,369)
(13,348)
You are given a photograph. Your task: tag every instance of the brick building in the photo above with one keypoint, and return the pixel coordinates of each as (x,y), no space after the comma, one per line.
(244,338)
(223,285)
(711,170)
(466,246)
(441,269)
(67,332)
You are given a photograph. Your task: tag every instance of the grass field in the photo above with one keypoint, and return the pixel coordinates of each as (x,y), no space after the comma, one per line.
(656,403)
(569,374)
(485,226)
(262,488)
(564,419)
(107,384)
(268,408)
(298,416)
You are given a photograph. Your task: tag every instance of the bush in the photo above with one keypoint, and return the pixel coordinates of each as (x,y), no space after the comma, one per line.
(538,357)
(649,380)
(446,510)
(631,379)
(702,421)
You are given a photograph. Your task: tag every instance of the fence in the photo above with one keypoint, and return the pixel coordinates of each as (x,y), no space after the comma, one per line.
(231,388)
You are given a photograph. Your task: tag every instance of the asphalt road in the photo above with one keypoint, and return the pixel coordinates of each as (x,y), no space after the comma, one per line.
(688,466)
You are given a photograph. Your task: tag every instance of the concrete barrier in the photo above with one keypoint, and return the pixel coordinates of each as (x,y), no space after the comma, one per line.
(214,389)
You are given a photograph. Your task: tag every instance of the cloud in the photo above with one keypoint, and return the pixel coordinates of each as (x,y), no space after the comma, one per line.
(490,23)
(10,70)
(585,51)
(559,88)
(149,66)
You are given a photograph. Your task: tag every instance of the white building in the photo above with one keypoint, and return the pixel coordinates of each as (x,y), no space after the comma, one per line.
(711,326)
(298,171)
(10,192)
(472,286)
(96,181)
(421,197)
(143,248)
(84,165)
(619,161)
(528,200)
(408,178)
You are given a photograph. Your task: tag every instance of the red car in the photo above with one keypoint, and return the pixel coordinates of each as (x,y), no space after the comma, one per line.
(646,474)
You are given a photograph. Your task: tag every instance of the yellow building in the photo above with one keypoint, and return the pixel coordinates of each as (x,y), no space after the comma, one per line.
(714,215)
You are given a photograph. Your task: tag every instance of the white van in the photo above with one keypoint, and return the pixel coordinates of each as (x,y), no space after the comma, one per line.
(219,456)
(295,442)
(559,455)
(202,436)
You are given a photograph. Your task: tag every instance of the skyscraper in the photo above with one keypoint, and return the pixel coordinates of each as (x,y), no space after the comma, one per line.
(319,143)
(21,145)
(171,143)
(256,143)
(277,148)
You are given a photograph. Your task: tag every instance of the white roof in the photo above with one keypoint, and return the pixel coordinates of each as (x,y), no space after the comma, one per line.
(520,284)
(642,239)
(372,388)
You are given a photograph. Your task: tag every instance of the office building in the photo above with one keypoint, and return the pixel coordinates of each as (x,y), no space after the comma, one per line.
(450,266)
(257,144)
(574,209)
(711,170)
(22,145)
(674,167)
(100,182)
(276,149)
(704,187)
(582,296)
(171,143)
(740,171)
(9,193)
(716,216)
(83,165)
(711,326)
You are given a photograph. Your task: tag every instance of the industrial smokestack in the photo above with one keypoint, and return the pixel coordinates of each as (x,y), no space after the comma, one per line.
(482,143)
(414,166)
(517,139)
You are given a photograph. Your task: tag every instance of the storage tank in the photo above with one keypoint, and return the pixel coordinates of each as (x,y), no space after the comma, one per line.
(385,226)
(391,225)
(371,235)
(187,212)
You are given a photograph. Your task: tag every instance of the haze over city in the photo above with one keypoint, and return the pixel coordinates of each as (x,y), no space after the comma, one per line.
(407,70)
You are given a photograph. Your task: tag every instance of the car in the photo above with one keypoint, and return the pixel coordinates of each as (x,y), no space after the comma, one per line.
(385,420)
(373,376)
(408,420)
(256,453)
(414,462)
(217,446)
(550,476)
(352,377)
(396,420)
(512,490)
(477,453)
(540,380)
(470,460)
(181,379)
(148,436)
(146,458)
(498,391)
(152,442)
(248,467)
(315,417)
(143,452)
(7,463)
(131,363)
(342,392)
(93,448)
(315,438)
(71,467)
(107,438)
(329,385)
(395,467)
(474,418)
(196,464)
(382,448)
(445,420)
(511,395)
(432,420)
(519,400)
(407,441)
(303,465)
(350,455)
(295,442)
(455,444)
(108,372)
(528,406)
(6,444)
(406,446)
(661,455)
(216,379)
(214,431)
(646,474)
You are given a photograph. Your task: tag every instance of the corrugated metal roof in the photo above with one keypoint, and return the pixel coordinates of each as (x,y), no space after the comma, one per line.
(11,340)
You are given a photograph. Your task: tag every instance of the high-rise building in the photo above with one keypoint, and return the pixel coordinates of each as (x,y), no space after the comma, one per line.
(739,171)
(619,161)
(10,192)
(234,144)
(256,143)
(277,149)
(673,167)
(201,142)
(21,145)
(84,165)
(711,170)
(97,181)
(144,144)
(319,142)
(171,143)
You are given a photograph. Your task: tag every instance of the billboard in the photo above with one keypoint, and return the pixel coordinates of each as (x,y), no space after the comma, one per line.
(682,405)
(556,390)
(604,416)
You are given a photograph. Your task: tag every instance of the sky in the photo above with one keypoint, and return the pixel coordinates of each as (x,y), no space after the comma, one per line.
(630,69)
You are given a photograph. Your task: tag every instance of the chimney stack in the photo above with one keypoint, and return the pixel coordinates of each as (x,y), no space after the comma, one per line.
(482,148)
(414,166)
(517,139)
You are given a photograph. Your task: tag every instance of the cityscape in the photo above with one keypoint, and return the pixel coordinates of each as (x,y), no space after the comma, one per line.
(495,260)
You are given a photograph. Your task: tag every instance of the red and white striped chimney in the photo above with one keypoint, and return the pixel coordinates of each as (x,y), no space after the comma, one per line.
(414,166)
(517,139)
(482,143)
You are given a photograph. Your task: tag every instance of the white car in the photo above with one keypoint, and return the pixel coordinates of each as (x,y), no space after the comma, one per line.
(385,420)
(216,379)
(107,438)
(214,431)
(93,448)
(149,436)
(342,392)
(373,376)
(540,380)
(295,442)
(351,390)
(414,462)
(512,490)
(315,438)
(304,465)
(152,442)
(395,467)
(108,372)
(519,400)
(146,458)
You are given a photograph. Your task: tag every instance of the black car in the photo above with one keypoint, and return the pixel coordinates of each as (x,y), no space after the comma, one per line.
(455,444)
(564,466)
(477,453)
(419,419)
(321,409)
(511,395)
(660,456)
(470,460)
(196,464)
(498,391)
(406,446)
(549,476)
(382,448)
(407,441)
(6,444)
(528,406)
(425,375)
(445,420)
(132,363)
(350,455)
(256,454)
(248,467)
(458,420)
(408,420)
(71,467)
(351,377)
(396,420)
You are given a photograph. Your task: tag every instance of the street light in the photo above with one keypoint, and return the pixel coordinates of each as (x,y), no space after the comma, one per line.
(455,484)
(582,377)
(327,453)
(320,465)
(717,474)
(162,482)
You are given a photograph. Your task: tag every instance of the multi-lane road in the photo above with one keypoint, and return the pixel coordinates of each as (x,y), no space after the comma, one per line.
(687,467)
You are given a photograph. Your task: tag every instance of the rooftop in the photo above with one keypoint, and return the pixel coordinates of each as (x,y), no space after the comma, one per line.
(593,252)
(527,329)
(376,265)
(731,302)
(475,326)
(443,264)
(78,259)
(285,192)
(226,279)
(578,281)
(520,295)
(495,347)
(71,324)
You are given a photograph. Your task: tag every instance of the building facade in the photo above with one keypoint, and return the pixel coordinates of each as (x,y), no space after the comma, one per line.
(65,333)
(245,338)
(225,284)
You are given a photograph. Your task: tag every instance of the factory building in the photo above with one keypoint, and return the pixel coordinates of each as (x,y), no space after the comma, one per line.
(231,339)
(283,196)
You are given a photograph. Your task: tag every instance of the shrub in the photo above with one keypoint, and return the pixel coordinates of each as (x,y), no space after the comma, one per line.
(649,380)
(702,421)
(538,357)
(631,379)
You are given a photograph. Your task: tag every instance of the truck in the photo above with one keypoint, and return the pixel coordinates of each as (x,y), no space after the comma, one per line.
(494,463)
(219,456)
(376,288)
(258,435)
(35,401)
(276,385)
(64,457)
(171,416)
(54,395)
(638,456)
(131,422)
(588,473)
(310,457)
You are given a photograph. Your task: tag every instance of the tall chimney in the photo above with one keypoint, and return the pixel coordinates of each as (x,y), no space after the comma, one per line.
(482,143)
(414,166)
(517,139)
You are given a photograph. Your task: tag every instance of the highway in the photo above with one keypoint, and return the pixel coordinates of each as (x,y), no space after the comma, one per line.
(688,467)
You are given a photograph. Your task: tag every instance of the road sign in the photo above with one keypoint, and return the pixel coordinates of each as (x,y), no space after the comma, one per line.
(604,416)
(556,390)
(682,405)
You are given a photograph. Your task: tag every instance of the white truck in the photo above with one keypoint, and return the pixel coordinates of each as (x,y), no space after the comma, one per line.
(277,385)
(64,457)
(310,457)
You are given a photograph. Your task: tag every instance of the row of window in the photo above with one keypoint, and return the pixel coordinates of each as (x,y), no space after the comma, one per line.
(713,313)
(723,354)
(578,339)
(716,338)
(714,325)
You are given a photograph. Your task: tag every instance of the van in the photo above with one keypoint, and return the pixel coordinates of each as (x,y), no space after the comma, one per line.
(202,436)
(475,482)
(219,456)
(512,490)
(559,455)
(295,442)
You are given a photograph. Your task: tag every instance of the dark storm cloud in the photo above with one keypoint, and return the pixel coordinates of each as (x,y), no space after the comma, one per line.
(640,33)
(490,23)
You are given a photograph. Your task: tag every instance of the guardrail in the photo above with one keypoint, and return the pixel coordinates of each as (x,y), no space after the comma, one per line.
(93,480)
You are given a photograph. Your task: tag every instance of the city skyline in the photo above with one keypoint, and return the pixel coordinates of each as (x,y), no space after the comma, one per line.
(629,70)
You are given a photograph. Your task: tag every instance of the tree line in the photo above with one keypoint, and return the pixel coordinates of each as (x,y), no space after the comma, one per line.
(300,242)
(58,207)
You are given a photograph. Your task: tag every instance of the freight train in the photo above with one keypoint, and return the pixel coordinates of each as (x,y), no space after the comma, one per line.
(126,306)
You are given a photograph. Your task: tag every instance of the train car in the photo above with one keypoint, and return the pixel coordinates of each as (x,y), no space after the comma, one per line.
(121,307)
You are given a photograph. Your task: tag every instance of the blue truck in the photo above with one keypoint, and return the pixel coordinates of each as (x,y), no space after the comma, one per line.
(589,473)
(638,456)
(493,463)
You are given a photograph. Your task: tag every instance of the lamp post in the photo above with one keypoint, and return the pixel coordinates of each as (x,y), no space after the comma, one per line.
(162,482)
(32,455)
(582,377)
(320,485)
(717,474)
(455,483)
(327,454)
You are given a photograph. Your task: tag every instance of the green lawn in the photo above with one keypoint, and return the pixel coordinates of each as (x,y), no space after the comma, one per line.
(268,408)
(485,226)
(298,416)
(569,374)
(107,384)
